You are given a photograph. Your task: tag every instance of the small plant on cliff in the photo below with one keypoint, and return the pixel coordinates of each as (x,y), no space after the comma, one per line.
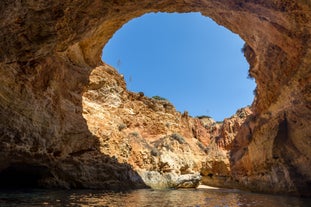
(204,116)
(243,49)
(154,152)
(135,134)
(159,98)
(202,147)
(121,127)
(249,76)
(178,138)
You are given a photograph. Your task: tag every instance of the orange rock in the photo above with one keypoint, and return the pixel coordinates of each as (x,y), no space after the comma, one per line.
(68,114)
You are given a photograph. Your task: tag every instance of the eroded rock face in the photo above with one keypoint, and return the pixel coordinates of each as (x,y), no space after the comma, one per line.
(161,144)
(50,95)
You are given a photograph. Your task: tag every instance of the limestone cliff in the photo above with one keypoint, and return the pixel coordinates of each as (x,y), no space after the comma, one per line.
(165,147)
(66,118)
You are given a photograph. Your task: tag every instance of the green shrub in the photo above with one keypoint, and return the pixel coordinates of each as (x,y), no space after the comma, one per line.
(135,134)
(121,127)
(204,116)
(202,147)
(155,152)
(243,49)
(179,138)
(159,98)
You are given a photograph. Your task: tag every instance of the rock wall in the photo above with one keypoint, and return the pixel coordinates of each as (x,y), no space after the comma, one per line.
(53,88)
(166,148)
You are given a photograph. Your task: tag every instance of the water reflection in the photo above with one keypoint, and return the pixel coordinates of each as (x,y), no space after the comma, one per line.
(147,198)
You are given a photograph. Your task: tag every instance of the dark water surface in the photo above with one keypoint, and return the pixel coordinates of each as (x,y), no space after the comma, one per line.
(146,198)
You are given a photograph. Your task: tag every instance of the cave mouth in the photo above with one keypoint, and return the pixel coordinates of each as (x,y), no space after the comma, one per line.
(186,58)
(22,175)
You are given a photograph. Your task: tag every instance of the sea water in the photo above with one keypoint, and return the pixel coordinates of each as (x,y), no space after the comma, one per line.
(147,198)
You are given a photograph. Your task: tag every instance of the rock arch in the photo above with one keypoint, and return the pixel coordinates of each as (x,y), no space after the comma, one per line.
(49,48)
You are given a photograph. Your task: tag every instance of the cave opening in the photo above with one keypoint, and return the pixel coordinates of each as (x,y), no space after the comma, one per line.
(22,175)
(185,58)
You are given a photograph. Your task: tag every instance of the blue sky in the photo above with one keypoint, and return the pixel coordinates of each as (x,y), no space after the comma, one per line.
(186,58)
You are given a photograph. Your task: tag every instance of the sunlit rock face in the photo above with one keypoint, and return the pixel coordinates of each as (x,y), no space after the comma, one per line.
(166,148)
(65,113)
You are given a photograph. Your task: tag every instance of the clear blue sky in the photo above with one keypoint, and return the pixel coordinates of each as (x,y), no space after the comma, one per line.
(186,58)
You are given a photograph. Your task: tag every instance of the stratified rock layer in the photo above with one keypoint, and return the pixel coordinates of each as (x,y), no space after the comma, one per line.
(67,115)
